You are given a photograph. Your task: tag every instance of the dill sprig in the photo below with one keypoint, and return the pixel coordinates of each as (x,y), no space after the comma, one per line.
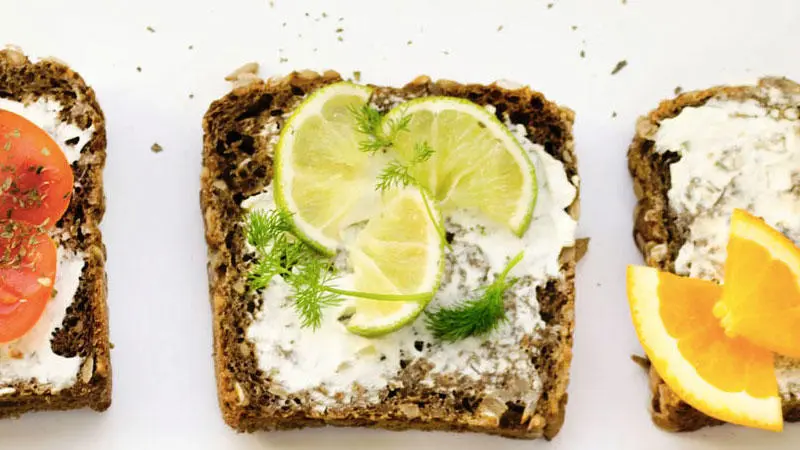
(397,174)
(369,122)
(309,274)
(281,253)
(475,317)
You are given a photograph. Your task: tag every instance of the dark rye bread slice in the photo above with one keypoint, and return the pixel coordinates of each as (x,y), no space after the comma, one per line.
(84,331)
(237,164)
(659,232)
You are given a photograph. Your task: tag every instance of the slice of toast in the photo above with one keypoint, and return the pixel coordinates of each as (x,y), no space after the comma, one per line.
(660,231)
(237,164)
(82,336)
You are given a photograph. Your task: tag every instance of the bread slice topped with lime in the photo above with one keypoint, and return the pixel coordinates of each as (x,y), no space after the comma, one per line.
(391,257)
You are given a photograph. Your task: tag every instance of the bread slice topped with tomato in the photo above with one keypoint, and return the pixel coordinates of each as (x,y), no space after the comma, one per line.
(54,344)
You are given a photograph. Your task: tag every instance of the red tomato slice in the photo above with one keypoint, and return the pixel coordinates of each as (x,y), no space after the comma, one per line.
(27,274)
(35,177)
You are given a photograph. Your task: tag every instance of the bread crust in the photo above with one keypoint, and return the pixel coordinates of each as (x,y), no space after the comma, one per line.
(84,331)
(659,233)
(236,164)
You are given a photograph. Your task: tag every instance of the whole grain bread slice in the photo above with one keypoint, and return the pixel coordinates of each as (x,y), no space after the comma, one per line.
(237,164)
(659,232)
(84,330)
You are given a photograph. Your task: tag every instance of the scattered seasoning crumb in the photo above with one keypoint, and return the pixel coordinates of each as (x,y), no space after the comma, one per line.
(624,2)
(620,65)
(549,5)
(574,27)
(283,60)
(445,52)
(308,15)
(191,47)
(138,69)
(271,4)
(409,42)
(341,19)
(339,30)
(191,95)
(283,24)
(315,50)
(340,39)
(613,114)
(583,53)
(324,15)
(155,148)
(151,29)
(357,75)
(678,90)
(500,28)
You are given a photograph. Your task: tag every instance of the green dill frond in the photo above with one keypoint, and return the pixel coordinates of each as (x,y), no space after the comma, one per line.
(373,145)
(369,122)
(280,253)
(395,174)
(422,152)
(264,227)
(310,295)
(368,119)
(262,274)
(398,125)
(475,317)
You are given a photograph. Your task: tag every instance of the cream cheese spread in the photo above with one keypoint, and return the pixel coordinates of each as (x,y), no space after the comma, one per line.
(328,362)
(732,155)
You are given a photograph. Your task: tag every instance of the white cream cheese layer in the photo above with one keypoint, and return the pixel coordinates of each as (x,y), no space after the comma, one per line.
(330,360)
(732,155)
(31,357)
(44,113)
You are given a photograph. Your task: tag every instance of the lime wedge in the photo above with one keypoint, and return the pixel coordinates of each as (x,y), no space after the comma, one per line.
(401,252)
(477,163)
(320,175)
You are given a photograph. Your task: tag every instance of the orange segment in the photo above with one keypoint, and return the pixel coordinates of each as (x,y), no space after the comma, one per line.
(761,296)
(726,378)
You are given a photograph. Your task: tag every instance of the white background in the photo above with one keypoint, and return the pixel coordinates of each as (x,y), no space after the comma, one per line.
(164,391)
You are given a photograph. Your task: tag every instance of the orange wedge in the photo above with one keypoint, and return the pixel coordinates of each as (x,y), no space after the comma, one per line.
(761,296)
(727,378)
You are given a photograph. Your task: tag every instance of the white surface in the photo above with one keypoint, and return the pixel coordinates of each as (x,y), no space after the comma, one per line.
(164,392)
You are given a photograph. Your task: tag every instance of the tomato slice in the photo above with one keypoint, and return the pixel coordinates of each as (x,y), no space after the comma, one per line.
(35,176)
(27,275)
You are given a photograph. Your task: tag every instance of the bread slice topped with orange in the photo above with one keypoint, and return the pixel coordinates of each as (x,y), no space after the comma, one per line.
(54,348)
(717,177)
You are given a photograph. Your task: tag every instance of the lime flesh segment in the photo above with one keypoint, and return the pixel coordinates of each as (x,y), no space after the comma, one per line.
(398,252)
(321,176)
(477,163)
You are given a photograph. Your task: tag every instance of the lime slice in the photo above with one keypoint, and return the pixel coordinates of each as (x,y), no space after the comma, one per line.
(477,163)
(320,175)
(401,252)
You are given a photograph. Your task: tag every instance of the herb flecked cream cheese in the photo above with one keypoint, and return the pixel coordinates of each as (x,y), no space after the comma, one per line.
(328,362)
